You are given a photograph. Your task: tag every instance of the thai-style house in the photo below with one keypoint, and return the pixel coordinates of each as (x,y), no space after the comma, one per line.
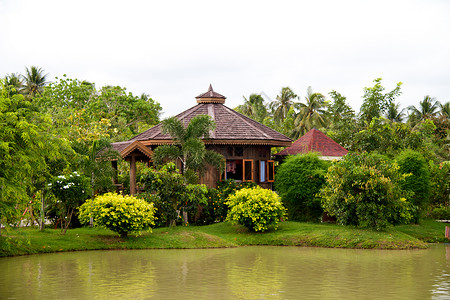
(314,141)
(244,143)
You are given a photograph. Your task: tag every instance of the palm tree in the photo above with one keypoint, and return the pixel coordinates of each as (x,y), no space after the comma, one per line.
(311,114)
(188,145)
(253,107)
(445,110)
(282,104)
(393,114)
(427,109)
(14,83)
(35,80)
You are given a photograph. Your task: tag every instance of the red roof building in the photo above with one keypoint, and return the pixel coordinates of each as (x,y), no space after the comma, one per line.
(315,141)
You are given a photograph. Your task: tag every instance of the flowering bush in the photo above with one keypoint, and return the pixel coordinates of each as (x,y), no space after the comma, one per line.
(256,208)
(70,191)
(121,214)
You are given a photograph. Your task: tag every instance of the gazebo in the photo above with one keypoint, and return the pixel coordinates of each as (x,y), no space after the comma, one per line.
(245,143)
(314,141)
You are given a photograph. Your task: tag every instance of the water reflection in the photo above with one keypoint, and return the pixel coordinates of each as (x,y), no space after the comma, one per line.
(238,273)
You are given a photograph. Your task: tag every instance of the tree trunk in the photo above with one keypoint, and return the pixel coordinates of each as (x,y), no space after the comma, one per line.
(68,221)
(42,224)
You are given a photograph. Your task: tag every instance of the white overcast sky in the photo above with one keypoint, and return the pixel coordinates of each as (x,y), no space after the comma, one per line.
(173,50)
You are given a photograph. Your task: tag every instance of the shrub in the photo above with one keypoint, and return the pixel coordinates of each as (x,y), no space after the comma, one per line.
(414,165)
(298,180)
(215,209)
(256,208)
(441,213)
(121,214)
(365,190)
(440,183)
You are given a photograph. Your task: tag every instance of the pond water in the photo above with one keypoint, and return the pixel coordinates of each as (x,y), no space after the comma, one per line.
(236,273)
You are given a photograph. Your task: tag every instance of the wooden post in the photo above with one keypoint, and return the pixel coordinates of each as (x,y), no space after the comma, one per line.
(133,175)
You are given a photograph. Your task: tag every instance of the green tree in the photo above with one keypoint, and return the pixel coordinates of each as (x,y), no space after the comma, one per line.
(188,145)
(427,109)
(254,108)
(297,180)
(376,102)
(394,114)
(343,123)
(34,81)
(14,83)
(26,147)
(364,190)
(413,164)
(444,110)
(311,114)
(280,107)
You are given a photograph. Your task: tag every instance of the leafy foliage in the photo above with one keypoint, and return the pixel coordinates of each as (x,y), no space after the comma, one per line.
(71,191)
(256,208)
(215,209)
(121,214)
(298,179)
(440,183)
(188,145)
(365,190)
(417,181)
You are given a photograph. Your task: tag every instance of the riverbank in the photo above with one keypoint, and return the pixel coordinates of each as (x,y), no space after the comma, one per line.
(25,241)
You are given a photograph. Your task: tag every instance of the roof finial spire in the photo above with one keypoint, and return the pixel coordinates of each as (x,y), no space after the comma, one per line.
(210,97)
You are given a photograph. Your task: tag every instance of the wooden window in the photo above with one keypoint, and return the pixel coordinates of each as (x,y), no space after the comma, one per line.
(248,170)
(270,171)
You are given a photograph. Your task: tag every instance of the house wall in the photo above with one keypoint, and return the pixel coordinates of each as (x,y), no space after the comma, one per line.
(252,154)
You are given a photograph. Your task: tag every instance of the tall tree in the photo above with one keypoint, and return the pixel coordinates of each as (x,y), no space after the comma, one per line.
(428,108)
(376,102)
(280,107)
(394,114)
(343,123)
(14,83)
(188,145)
(34,81)
(311,114)
(25,149)
(253,107)
(444,110)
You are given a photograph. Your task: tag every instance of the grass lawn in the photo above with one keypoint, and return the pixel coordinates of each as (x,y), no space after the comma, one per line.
(24,241)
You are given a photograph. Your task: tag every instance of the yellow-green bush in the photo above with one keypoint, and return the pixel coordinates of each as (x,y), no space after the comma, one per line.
(121,214)
(256,208)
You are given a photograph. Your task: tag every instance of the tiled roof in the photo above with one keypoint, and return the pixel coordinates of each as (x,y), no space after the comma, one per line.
(230,125)
(314,141)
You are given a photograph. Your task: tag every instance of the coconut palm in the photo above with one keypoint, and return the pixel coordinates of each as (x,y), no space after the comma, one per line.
(14,83)
(282,104)
(188,146)
(253,107)
(394,114)
(311,114)
(34,81)
(427,109)
(445,110)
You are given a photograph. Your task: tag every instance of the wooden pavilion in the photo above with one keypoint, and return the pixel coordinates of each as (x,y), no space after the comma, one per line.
(245,143)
